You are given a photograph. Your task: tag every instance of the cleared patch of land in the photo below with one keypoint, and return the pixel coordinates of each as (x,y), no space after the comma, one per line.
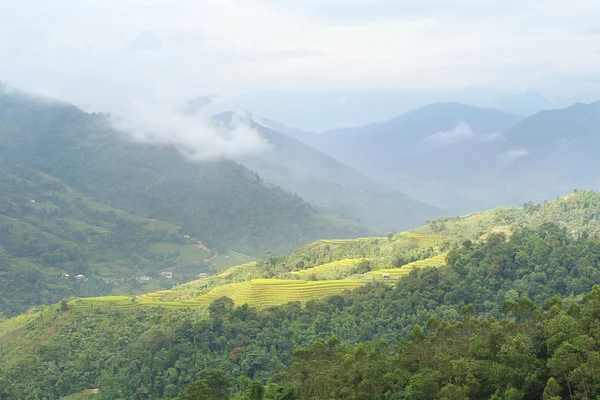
(436,261)
(256,292)
(272,292)
(187,252)
(334,266)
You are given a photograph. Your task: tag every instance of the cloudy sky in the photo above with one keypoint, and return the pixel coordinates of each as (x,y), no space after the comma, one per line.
(310,63)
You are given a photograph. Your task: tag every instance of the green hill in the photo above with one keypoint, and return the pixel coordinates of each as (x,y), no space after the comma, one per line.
(341,264)
(514,308)
(223,204)
(48,231)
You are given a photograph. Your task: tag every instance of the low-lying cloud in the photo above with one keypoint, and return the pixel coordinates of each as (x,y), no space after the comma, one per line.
(461,133)
(517,153)
(198,137)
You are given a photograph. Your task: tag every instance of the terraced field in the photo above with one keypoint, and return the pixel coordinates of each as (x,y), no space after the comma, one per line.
(330,267)
(230,259)
(232,270)
(272,292)
(435,261)
(422,239)
(256,292)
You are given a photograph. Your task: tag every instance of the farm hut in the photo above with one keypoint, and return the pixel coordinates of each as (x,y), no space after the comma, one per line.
(385,276)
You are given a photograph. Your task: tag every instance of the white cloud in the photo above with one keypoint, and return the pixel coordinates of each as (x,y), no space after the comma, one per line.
(146,40)
(459,134)
(491,137)
(198,137)
(80,50)
(517,153)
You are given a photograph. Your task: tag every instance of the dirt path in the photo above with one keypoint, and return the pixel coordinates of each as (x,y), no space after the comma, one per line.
(202,246)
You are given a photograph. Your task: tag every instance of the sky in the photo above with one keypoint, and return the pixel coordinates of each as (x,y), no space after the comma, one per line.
(308,63)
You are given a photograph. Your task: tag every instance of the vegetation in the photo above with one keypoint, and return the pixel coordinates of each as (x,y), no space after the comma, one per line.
(49,234)
(78,198)
(435,261)
(223,204)
(489,324)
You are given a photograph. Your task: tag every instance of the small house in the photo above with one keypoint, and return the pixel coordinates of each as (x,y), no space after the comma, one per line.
(144,278)
(203,275)
(167,274)
(80,277)
(385,276)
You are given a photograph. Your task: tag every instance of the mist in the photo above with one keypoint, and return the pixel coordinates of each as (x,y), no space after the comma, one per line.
(197,136)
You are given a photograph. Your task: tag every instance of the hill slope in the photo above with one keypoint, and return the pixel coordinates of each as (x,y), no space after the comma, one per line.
(543,156)
(376,147)
(333,187)
(466,158)
(341,264)
(494,313)
(50,233)
(222,203)
(425,153)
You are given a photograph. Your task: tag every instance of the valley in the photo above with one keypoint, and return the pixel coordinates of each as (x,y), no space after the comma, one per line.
(299,200)
(487,263)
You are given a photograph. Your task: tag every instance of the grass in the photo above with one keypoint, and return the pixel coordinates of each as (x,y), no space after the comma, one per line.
(435,261)
(342,241)
(422,239)
(330,267)
(272,292)
(256,292)
(187,252)
(232,270)
(230,259)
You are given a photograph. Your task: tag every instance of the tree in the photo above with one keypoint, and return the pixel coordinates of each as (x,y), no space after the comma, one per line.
(552,390)
(214,386)
(256,391)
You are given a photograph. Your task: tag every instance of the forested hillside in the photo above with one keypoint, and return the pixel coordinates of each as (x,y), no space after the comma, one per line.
(222,203)
(513,315)
(50,234)
(333,187)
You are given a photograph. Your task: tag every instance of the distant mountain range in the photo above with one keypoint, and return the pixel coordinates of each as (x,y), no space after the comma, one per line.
(463,158)
(331,186)
(220,202)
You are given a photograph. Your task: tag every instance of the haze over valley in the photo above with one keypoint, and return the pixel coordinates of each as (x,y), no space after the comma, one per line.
(294,200)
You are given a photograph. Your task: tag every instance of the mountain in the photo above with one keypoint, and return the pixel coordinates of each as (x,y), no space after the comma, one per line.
(221,203)
(466,158)
(50,234)
(554,150)
(424,153)
(298,134)
(511,314)
(525,104)
(380,147)
(331,186)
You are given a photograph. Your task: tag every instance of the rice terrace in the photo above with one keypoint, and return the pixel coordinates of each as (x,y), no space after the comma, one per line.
(242,284)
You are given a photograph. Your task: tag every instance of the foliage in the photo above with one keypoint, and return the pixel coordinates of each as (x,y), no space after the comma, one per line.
(223,204)
(468,330)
